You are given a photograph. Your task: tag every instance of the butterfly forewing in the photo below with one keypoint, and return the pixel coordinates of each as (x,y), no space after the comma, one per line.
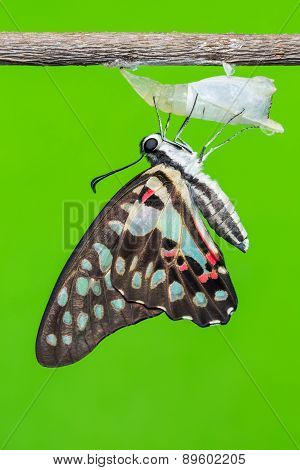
(85,307)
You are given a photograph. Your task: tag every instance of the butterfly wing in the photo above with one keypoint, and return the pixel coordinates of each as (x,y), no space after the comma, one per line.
(168,259)
(147,251)
(84,307)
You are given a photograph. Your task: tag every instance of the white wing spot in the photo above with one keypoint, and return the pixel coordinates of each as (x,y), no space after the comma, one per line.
(120,265)
(134,263)
(82,320)
(157,278)
(67,339)
(107,280)
(222,270)
(62,297)
(149,270)
(105,256)
(143,220)
(99,311)
(154,183)
(82,286)
(85,264)
(116,226)
(95,286)
(137,190)
(67,318)
(221,295)
(136,280)
(51,339)
(118,304)
(200,299)
(176,291)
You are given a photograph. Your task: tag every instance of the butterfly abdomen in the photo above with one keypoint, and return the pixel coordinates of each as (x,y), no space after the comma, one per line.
(219,211)
(206,193)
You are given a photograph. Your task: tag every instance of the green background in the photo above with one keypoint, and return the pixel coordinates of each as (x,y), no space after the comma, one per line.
(159,384)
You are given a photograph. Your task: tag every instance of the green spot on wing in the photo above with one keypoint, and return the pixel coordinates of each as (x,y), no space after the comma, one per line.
(176,291)
(157,278)
(82,320)
(99,311)
(120,266)
(149,270)
(118,304)
(221,295)
(116,226)
(62,297)
(137,280)
(105,256)
(67,339)
(82,285)
(85,264)
(67,318)
(51,339)
(107,280)
(95,286)
(200,300)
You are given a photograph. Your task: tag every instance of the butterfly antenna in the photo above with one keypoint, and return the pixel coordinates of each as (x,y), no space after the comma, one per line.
(158,117)
(187,119)
(96,180)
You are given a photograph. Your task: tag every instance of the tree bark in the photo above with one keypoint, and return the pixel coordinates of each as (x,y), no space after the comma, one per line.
(134,49)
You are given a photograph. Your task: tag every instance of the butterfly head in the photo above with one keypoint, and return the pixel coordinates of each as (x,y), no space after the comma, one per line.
(151,144)
(158,150)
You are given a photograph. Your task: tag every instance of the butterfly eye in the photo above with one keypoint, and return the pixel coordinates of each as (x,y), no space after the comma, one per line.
(150,145)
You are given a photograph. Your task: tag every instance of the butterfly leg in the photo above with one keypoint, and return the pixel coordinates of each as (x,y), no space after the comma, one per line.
(202,154)
(167,125)
(205,155)
(187,146)
(158,117)
(186,121)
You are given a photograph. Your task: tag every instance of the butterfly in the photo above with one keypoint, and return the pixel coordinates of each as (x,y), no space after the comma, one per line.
(147,252)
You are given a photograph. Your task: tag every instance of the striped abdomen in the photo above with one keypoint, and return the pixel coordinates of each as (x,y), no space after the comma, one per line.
(218,211)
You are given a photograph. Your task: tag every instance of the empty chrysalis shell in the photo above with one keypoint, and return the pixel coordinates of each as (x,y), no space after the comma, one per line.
(219,98)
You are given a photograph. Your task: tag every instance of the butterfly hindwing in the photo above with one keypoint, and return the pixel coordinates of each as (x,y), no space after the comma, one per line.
(168,259)
(85,307)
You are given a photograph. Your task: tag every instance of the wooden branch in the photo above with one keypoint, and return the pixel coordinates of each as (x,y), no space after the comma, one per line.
(134,49)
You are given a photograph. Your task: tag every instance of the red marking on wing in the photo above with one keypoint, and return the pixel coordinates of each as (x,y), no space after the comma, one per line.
(211,258)
(169,253)
(210,255)
(203,278)
(214,275)
(147,194)
(183,267)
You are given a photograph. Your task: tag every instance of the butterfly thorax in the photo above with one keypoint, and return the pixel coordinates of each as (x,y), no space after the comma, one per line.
(211,200)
